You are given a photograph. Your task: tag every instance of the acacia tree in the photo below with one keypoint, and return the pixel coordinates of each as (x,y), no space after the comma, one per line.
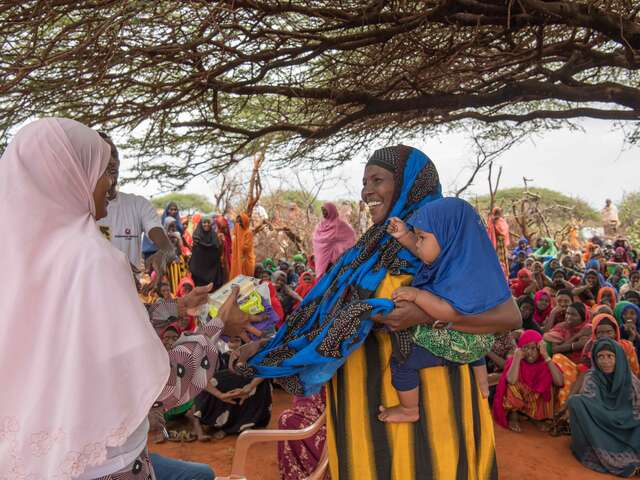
(197,85)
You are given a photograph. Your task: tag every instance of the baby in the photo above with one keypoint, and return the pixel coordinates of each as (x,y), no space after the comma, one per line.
(450,239)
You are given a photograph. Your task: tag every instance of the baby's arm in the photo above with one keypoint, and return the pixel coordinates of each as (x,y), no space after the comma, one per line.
(429,303)
(399,230)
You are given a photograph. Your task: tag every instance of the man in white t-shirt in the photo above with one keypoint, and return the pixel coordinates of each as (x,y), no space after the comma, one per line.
(128,217)
(610,218)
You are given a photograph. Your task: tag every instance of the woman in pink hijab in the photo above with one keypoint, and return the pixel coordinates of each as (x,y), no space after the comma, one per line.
(83,367)
(331,238)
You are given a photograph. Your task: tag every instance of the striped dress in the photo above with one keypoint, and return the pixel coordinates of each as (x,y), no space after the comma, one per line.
(452,440)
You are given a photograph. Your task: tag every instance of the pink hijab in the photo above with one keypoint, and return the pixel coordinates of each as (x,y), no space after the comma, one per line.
(83,366)
(331,238)
(536,376)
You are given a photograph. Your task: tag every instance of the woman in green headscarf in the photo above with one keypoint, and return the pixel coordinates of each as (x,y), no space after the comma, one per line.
(269,265)
(605,416)
(547,250)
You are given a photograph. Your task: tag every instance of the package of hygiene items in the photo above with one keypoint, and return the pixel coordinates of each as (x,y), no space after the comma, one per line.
(250,298)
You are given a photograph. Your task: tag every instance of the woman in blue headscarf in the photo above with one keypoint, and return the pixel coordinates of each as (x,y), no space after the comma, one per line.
(605,416)
(331,329)
(524,247)
(171,210)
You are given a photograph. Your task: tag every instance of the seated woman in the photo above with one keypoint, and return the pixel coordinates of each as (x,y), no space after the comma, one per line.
(287,296)
(602,326)
(628,316)
(542,307)
(527,309)
(169,337)
(570,336)
(606,296)
(605,415)
(563,300)
(526,385)
(522,284)
(231,403)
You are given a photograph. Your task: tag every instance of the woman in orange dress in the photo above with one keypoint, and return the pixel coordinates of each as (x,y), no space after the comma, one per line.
(243,257)
(498,230)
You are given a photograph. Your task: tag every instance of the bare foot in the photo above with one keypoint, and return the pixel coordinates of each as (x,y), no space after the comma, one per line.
(514,423)
(399,414)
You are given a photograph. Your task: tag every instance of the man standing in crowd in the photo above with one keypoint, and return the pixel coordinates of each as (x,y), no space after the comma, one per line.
(610,218)
(128,217)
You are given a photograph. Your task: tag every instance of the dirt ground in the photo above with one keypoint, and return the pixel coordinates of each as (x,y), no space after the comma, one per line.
(530,455)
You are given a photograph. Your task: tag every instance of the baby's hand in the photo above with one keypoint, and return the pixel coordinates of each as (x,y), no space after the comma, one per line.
(397,228)
(405,294)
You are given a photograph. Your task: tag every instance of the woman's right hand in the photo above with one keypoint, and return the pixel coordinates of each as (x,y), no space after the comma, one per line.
(236,322)
(244,353)
(404,315)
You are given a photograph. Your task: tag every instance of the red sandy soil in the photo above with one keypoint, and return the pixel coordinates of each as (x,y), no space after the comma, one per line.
(530,455)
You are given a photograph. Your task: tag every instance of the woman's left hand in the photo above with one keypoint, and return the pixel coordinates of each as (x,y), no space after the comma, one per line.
(404,315)
(196,298)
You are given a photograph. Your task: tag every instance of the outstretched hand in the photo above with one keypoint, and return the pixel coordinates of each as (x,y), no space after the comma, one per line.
(244,353)
(236,322)
(196,298)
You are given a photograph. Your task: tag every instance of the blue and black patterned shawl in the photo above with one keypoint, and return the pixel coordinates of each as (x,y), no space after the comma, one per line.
(335,317)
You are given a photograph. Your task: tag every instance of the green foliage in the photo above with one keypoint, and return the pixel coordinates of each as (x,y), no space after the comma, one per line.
(559,208)
(187,202)
(302,199)
(629,209)
(629,213)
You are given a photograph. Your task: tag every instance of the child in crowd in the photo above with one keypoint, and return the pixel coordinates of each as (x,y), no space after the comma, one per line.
(460,276)
(169,337)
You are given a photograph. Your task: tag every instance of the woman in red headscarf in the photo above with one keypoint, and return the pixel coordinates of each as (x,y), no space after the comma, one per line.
(526,384)
(243,257)
(542,306)
(331,238)
(498,230)
(520,285)
(570,336)
(223,228)
(607,296)
(305,284)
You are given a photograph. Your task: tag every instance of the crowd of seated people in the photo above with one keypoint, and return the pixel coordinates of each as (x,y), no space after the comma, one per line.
(573,367)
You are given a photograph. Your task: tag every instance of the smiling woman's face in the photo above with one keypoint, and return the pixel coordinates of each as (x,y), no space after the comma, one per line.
(378,189)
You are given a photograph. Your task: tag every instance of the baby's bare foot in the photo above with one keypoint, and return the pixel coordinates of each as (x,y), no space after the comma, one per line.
(399,414)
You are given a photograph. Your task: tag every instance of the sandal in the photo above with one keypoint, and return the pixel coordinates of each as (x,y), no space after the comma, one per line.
(174,436)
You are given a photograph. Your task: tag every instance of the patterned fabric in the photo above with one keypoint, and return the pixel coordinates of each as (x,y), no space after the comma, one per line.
(335,317)
(298,459)
(605,416)
(194,359)
(141,469)
(453,438)
(522,399)
(501,251)
(570,373)
(452,345)
(176,272)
